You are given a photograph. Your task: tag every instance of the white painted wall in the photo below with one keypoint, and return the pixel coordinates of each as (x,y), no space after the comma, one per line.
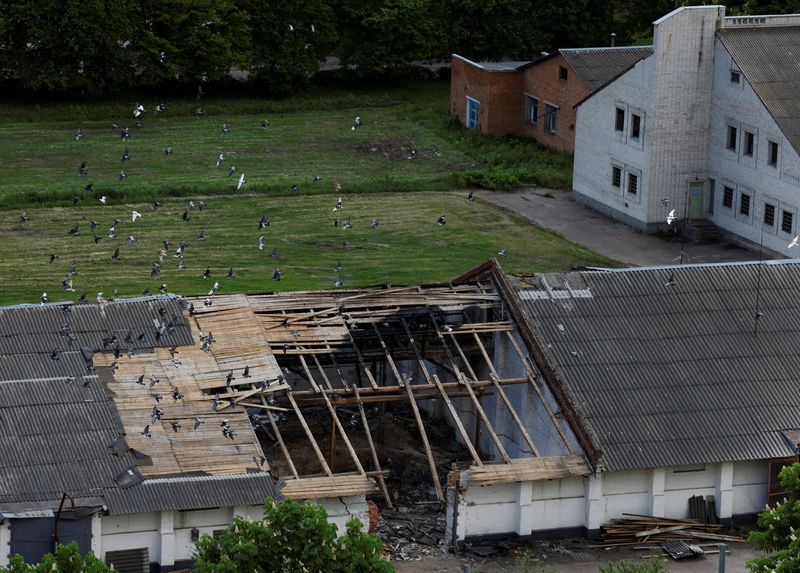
(738,105)
(589,502)
(120,532)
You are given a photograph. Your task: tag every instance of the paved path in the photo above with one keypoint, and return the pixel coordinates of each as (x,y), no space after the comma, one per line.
(559,212)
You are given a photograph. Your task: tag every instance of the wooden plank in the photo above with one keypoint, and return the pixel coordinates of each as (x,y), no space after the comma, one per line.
(457,419)
(504,397)
(375,462)
(279,437)
(528,469)
(532,381)
(309,434)
(428,452)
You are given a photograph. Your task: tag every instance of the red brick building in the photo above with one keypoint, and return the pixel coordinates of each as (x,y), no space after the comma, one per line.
(535,99)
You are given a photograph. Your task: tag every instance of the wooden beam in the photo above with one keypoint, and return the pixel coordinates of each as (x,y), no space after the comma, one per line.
(375,462)
(278,436)
(309,434)
(428,452)
(395,390)
(504,397)
(387,354)
(322,372)
(309,376)
(532,380)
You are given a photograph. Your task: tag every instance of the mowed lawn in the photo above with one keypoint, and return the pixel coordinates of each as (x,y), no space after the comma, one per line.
(39,159)
(407,247)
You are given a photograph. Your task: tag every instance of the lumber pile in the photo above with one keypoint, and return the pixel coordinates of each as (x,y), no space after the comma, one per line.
(644,529)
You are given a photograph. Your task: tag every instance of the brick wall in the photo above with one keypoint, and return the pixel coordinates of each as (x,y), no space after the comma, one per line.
(542,81)
(498,92)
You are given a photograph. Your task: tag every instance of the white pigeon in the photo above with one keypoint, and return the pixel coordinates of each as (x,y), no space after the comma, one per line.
(242,181)
(138,109)
(104,200)
(214,289)
(220,159)
(794,242)
(671,217)
(261,243)
(135,215)
(502,252)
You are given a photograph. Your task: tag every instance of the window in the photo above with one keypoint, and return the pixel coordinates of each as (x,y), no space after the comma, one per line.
(636,126)
(787,220)
(749,143)
(633,183)
(562,73)
(736,77)
(772,154)
(473,109)
(616,176)
(532,110)
(731,142)
(744,205)
(550,117)
(727,197)
(769,214)
(619,123)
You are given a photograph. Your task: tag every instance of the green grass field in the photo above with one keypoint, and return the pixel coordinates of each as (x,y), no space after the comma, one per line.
(408,247)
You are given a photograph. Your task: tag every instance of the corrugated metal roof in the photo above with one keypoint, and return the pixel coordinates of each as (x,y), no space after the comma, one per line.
(56,421)
(769,57)
(598,66)
(670,375)
(193,493)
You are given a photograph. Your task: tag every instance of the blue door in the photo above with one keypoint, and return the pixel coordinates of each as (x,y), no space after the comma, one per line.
(473,109)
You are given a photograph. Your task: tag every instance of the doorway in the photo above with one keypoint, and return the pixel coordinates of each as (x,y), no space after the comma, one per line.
(696,199)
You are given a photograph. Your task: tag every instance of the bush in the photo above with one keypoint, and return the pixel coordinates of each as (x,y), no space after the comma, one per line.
(291,538)
(649,566)
(777,529)
(67,559)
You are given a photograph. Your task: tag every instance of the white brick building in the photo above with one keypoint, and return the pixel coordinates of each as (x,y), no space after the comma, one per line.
(707,125)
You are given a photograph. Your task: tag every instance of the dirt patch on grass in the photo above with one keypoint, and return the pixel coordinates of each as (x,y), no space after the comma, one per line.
(394,147)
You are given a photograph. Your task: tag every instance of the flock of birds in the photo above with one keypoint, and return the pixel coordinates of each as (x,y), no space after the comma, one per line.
(177,251)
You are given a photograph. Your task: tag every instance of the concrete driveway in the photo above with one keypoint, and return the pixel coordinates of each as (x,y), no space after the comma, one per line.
(559,212)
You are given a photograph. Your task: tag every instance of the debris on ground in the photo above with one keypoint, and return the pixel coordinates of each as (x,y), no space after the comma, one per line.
(641,530)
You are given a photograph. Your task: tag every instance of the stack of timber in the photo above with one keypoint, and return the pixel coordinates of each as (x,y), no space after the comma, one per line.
(643,529)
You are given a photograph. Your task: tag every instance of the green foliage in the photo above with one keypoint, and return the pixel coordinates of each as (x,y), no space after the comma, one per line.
(777,529)
(67,559)
(655,565)
(289,39)
(528,562)
(291,538)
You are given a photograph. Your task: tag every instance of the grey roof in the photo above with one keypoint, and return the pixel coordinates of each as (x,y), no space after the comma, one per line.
(502,66)
(769,57)
(671,375)
(187,493)
(57,422)
(599,66)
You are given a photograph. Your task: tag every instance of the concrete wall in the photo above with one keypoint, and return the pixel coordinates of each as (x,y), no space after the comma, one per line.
(542,507)
(738,105)
(498,92)
(599,147)
(543,82)
(673,88)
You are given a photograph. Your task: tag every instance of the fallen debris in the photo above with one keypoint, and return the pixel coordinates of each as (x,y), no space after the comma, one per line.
(646,529)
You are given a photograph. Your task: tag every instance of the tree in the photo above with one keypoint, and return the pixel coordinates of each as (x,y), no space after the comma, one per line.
(291,538)
(189,40)
(381,35)
(778,529)
(289,39)
(67,559)
(65,44)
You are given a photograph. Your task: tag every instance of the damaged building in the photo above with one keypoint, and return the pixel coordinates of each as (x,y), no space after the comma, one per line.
(518,405)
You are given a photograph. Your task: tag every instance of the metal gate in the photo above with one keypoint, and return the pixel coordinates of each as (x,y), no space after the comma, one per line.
(33,537)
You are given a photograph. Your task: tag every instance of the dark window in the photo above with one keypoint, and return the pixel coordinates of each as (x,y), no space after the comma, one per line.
(772,158)
(749,144)
(616,176)
(562,72)
(533,110)
(744,205)
(731,143)
(636,126)
(787,220)
(727,197)
(735,77)
(769,214)
(633,183)
(619,124)
(550,117)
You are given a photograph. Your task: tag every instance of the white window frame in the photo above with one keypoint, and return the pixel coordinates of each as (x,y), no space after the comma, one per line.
(547,117)
(638,174)
(737,143)
(783,208)
(621,167)
(731,211)
(777,164)
(468,118)
(751,201)
(531,103)
(775,216)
